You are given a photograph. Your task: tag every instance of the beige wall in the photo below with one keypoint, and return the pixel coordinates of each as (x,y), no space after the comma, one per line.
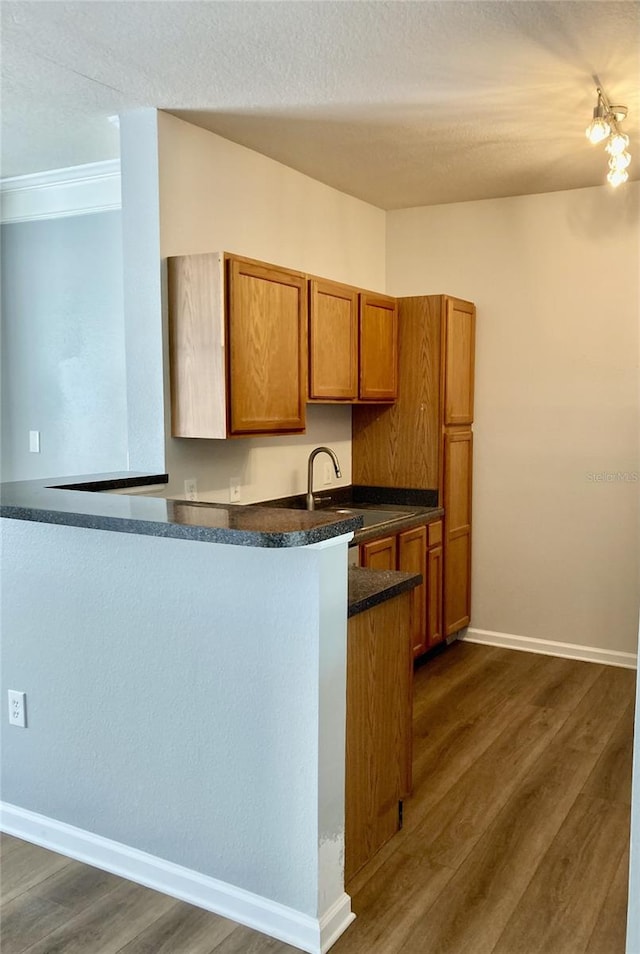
(555,280)
(218,196)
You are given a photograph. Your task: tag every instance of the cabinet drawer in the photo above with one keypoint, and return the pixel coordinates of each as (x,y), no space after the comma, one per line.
(434,531)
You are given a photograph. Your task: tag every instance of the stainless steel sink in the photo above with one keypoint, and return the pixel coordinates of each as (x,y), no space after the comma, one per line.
(372,518)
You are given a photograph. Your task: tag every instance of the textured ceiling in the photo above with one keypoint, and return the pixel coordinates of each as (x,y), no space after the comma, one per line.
(399,103)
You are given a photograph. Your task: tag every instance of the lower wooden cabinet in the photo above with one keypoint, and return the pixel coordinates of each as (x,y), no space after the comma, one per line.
(379,730)
(380,554)
(418,550)
(457,477)
(412,558)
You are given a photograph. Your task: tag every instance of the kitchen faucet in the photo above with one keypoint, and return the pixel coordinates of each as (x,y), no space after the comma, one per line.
(312,456)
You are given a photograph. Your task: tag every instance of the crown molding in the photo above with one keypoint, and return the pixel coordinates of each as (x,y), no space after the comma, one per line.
(57,193)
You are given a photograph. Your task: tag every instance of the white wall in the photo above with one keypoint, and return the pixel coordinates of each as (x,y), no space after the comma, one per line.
(63,364)
(198,716)
(555,280)
(218,196)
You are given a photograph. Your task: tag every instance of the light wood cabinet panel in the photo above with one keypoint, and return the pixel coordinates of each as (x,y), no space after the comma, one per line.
(435,632)
(378,348)
(333,341)
(378,742)
(412,557)
(434,531)
(398,446)
(267,320)
(380,554)
(458,362)
(196,345)
(406,445)
(457,471)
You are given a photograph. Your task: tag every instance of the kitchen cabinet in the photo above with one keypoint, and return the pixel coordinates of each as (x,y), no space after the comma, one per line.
(353,344)
(412,556)
(378,379)
(238,347)
(380,554)
(266,327)
(435,571)
(458,462)
(424,441)
(378,727)
(333,341)
(418,550)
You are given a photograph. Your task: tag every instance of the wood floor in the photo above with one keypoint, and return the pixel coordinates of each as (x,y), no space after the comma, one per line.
(515,840)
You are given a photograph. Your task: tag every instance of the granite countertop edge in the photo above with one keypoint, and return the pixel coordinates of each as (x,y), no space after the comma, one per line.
(77,502)
(370,588)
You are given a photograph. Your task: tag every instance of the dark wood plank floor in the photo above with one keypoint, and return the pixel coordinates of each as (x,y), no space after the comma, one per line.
(515,840)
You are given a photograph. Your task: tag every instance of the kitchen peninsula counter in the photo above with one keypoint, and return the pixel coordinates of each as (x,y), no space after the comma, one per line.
(82,502)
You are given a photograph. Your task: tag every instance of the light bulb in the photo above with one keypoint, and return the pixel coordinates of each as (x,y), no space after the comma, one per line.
(617,176)
(597,130)
(618,142)
(620,162)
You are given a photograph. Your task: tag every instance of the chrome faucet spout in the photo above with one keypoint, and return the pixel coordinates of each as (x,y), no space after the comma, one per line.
(312,456)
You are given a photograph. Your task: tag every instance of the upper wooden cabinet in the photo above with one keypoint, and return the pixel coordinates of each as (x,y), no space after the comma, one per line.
(333,341)
(458,344)
(238,347)
(378,348)
(353,344)
(266,326)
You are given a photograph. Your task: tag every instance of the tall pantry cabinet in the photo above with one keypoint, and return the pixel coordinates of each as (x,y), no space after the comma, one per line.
(425,440)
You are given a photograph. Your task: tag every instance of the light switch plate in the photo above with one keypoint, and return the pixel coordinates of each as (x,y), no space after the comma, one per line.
(34,442)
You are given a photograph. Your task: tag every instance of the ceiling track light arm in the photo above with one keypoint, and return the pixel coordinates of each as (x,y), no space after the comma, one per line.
(605,125)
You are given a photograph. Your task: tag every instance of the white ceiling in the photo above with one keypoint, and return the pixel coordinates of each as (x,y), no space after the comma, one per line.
(399,103)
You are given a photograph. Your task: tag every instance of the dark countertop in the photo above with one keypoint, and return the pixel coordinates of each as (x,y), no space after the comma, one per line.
(414,508)
(368,588)
(77,502)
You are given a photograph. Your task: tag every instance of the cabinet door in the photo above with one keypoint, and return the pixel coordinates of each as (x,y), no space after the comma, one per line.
(379,554)
(378,348)
(412,557)
(333,342)
(458,450)
(267,321)
(458,361)
(435,633)
(378,728)
(195,285)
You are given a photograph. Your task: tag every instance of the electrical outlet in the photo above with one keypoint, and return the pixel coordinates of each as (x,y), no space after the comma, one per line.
(17,708)
(191,488)
(328,473)
(34,442)
(235,488)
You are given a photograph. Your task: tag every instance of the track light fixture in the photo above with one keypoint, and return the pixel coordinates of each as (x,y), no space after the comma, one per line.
(605,125)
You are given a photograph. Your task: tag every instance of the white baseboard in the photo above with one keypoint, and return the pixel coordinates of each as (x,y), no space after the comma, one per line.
(315,935)
(546,647)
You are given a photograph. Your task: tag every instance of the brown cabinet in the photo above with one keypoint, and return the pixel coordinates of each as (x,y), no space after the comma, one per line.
(353,344)
(418,550)
(238,347)
(458,458)
(435,629)
(378,731)
(266,327)
(380,554)
(378,379)
(333,341)
(412,557)
(458,351)
(424,440)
